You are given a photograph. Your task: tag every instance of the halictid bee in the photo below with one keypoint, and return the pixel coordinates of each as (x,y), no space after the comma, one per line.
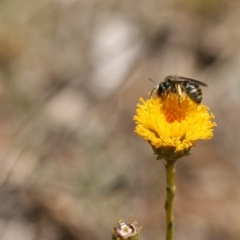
(177,84)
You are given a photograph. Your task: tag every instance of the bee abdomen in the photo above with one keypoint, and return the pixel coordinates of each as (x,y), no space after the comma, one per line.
(194,92)
(196,96)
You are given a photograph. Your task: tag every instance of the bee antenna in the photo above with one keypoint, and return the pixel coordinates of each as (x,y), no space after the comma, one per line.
(151,80)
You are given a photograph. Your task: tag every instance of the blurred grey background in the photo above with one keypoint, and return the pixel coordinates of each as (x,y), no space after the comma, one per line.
(71,74)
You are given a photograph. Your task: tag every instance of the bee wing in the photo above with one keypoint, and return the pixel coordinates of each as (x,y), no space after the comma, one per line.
(181,79)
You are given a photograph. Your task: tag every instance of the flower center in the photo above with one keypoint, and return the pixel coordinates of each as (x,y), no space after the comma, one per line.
(126,230)
(174,114)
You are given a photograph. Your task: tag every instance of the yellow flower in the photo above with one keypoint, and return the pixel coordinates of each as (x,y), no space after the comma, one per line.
(173,123)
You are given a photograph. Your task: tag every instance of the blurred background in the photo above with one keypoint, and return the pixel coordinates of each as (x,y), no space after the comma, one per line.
(71,74)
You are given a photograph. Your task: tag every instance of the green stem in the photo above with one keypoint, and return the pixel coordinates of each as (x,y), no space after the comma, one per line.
(170,183)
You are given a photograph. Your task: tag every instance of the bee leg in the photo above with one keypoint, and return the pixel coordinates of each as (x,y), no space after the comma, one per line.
(152,92)
(165,95)
(179,101)
(179,91)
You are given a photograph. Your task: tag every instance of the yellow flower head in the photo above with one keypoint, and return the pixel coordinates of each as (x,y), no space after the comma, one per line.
(174,123)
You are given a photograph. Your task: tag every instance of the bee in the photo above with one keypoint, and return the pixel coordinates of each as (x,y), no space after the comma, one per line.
(178,85)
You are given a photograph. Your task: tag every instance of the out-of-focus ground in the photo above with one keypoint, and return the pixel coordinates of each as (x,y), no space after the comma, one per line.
(71,74)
